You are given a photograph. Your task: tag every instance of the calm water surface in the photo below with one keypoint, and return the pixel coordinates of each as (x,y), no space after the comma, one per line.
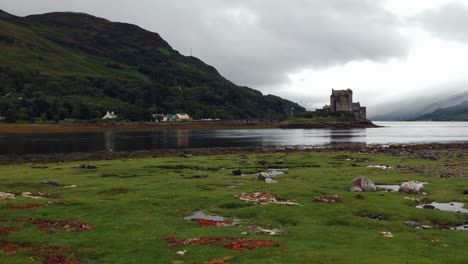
(392,133)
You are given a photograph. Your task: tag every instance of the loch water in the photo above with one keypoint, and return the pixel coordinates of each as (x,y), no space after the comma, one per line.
(389,133)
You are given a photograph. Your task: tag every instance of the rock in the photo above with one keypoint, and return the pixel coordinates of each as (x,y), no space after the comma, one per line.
(270,180)
(54,183)
(263,176)
(412,224)
(428,206)
(236,172)
(263,162)
(186,155)
(426,227)
(465,192)
(362,184)
(415,187)
(375,217)
(7,196)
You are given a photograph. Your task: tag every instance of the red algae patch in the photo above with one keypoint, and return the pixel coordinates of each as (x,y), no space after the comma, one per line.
(30,206)
(56,225)
(229,243)
(6,230)
(205,223)
(47,255)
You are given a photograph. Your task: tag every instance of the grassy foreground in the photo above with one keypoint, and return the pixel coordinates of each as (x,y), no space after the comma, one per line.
(131,205)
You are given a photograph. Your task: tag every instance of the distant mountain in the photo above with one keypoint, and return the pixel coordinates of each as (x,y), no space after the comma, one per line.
(74,65)
(415,107)
(453,113)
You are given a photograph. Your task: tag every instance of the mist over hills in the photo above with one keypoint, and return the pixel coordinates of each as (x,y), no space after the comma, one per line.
(416,106)
(75,65)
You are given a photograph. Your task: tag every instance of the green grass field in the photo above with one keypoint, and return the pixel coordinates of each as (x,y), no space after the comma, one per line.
(134,204)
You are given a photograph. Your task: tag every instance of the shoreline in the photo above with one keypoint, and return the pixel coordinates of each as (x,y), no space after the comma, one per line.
(427,151)
(62,128)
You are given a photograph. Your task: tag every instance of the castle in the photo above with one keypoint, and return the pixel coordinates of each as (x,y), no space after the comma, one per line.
(342,101)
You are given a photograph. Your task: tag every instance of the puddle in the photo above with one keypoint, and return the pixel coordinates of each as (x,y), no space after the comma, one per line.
(202,215)
(450,207)
(461,228)
(389,188)
(380,167)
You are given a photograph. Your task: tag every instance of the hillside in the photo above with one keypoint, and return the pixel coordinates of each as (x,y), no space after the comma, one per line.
(74,65)
(453,113)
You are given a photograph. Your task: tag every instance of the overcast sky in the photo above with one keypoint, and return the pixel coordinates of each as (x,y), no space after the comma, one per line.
(300,49)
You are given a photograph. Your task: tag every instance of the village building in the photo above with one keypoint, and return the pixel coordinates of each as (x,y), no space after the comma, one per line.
(110,115)
(180,117)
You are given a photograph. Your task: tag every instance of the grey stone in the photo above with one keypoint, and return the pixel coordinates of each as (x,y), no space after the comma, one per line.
(412,224)
(263,176)
(414,187)
(270,180)
(362,184)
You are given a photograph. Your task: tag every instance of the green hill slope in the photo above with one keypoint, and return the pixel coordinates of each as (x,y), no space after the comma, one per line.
(454,113)
(73,65)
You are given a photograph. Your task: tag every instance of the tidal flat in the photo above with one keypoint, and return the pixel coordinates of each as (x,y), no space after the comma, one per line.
(131,210)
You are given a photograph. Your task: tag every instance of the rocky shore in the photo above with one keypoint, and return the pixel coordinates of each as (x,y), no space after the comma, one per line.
(425,151)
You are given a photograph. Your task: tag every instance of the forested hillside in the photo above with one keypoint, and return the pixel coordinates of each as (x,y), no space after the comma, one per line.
(73,65)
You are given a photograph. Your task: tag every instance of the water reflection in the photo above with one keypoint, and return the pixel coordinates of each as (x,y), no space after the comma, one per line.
(399,133)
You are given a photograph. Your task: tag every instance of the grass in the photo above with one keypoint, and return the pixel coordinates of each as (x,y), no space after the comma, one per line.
(130,226)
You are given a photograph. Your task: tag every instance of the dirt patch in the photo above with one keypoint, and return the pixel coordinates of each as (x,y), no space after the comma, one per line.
(56,225)
(219,260)
(328,199)
(115,191)
(17,184)
(47,255)
(182,167)
(120,176)
(85,166)
(195,177)
(229,243)
(264,198)
(30,206)
(39,167)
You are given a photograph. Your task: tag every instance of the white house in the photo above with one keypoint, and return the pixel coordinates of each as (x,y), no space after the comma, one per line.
(110,115)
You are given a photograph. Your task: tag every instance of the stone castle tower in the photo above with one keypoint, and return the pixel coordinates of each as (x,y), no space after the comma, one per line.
(342,101)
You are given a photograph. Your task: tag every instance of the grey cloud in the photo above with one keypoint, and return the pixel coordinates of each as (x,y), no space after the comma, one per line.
(448,22)
(254,42)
